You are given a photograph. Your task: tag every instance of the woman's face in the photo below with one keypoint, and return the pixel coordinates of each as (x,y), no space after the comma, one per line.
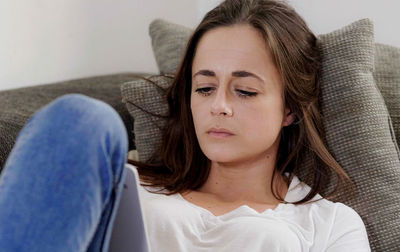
(236,87)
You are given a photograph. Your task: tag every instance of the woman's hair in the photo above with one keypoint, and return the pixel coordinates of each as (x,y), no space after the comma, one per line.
(178,164)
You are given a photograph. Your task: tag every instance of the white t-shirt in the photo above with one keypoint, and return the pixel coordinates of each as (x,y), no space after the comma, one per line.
(175,224)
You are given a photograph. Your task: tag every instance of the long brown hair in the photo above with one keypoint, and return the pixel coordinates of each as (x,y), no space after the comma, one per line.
(178,163)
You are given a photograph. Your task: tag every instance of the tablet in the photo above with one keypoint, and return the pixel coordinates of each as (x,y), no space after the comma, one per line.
(129,230)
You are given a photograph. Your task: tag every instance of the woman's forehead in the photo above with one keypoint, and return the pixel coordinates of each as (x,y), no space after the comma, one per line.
(241,38)
(228,49)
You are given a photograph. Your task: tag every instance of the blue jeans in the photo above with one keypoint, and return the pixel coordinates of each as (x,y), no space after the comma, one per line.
(63,179)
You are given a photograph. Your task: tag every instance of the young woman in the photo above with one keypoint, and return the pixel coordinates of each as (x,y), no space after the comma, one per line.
(242,114)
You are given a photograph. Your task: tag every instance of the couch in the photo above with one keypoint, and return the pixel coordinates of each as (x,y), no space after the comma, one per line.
(17,105)
(360,103)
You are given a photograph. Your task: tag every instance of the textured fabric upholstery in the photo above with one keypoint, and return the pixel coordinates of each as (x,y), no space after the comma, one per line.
(169,43)
(358,131)
(17,105)
(140,95)
(356,121)
(387,76)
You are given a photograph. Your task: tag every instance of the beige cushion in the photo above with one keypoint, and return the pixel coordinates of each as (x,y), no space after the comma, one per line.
(357,123)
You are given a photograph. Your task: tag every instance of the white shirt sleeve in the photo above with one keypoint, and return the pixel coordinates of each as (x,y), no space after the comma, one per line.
(348,232)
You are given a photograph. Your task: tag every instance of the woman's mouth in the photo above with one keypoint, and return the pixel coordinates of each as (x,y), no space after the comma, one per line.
(219,133)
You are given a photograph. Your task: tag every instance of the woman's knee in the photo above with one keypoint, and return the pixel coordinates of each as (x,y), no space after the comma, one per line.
(78,110)
(89,126)
(86,107)
(76,121)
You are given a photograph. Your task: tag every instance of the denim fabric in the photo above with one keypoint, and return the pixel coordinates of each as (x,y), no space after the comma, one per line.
(63,178)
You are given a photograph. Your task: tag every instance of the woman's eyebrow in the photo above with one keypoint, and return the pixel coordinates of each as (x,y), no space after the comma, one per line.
(243,73)
(240,73)
(205,73)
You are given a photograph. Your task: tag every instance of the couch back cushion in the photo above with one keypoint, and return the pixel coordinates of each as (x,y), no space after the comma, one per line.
(145,100)
(387,77)
(359,132)
(169,43)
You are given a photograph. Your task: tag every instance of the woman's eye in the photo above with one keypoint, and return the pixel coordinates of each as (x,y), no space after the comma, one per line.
(204,91)
(245,94)
(241,93)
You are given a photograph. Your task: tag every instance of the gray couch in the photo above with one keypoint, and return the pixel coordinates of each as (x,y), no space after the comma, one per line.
(17,105)
(360,102)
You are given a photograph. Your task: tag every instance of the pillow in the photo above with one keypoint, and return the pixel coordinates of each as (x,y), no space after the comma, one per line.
(142,94)
(169,44)
(387,77)
(357,124)
(358,130)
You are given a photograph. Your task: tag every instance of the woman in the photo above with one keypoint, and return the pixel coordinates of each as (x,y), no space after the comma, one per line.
(243,112)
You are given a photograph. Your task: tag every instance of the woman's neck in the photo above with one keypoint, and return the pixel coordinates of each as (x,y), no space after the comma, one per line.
(248,181)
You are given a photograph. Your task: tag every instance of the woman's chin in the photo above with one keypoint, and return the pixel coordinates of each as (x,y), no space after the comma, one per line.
(221,157)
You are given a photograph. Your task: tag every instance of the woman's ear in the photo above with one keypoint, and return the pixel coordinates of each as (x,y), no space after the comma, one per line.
(289,117)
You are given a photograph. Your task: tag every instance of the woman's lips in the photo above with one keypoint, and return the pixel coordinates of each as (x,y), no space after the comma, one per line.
(219,134)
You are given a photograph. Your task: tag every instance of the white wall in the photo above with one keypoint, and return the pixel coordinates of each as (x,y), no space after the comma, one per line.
(44,41)
(324,16)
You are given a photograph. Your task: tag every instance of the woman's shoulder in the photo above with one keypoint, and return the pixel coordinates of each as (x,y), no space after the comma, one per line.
(341,215)
(298,190)
(347,231)
(321,208)
(337,225)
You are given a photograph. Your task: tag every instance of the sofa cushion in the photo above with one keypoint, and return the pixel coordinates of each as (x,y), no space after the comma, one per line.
(359,132)
(169,43)
(358,128)
(143,95)
(17,105)
(387,77)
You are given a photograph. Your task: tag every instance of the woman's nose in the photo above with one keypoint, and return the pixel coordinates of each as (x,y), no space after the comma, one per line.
(221,105)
